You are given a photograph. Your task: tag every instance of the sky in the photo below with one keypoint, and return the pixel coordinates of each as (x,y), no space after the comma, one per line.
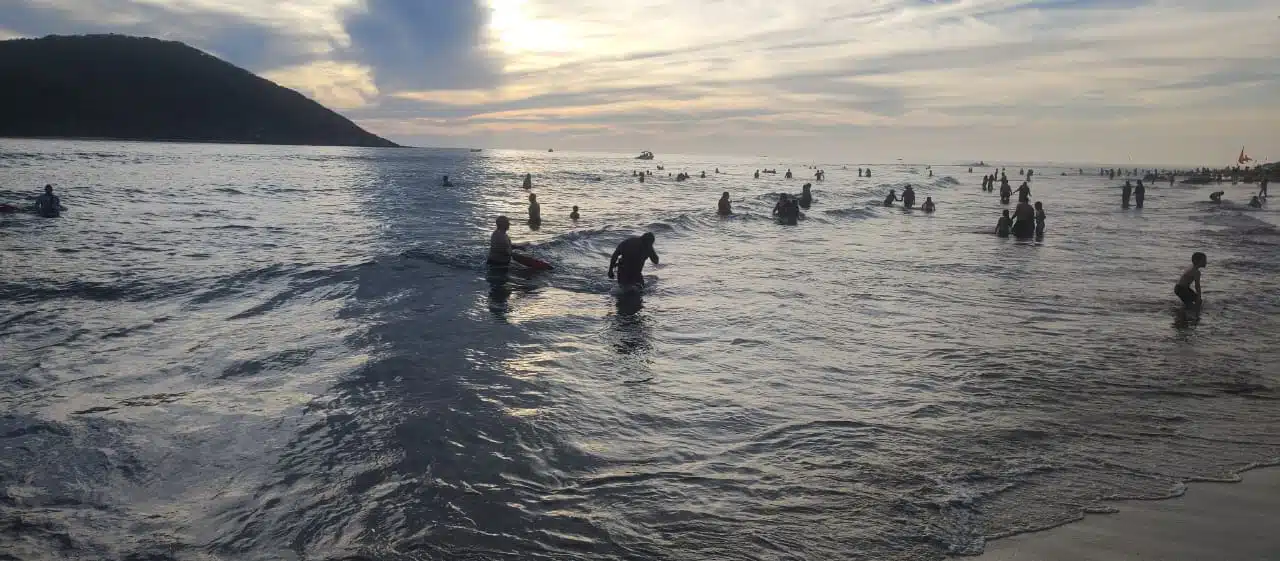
(1116,81)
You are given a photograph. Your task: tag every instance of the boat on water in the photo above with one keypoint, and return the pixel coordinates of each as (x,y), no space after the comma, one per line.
(646,155)
(551,149)
(477,149)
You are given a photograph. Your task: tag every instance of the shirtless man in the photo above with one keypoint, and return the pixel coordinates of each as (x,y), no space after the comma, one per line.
(629,259)
(535,210)
(1024,192)
(1192,275)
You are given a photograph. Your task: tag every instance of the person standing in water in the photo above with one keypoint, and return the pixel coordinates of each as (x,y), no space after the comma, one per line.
(1004,225)
(724,209)
(49,205)
(1024,193)
(574,216)
(629,260)
(1039,219)
(806,195)
(928,205)
(757,174)
(445,182)
(1191,299)
(1139,193)
(528,181)
(535,210)
(1262,184)
(788,176)
(1024,225)
(500,245)
(1005,191)
(890,198)
(908,197)
(1125,193)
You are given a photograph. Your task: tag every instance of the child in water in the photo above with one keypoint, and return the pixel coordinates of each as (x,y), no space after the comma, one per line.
(1191,275)
(574,215)
(1039,219)
(1004,225)
(928,204)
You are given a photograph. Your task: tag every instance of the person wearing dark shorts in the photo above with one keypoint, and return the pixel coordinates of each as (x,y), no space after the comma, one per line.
(1191,298)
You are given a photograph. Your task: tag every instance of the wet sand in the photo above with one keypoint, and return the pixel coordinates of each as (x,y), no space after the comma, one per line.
(1212,521)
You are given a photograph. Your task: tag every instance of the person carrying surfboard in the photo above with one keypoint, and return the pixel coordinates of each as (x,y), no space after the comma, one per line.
(629,259)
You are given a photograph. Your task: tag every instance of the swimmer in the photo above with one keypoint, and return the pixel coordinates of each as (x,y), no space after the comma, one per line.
(703,176)
(574,215)
(757,174)
(788,176)
(868,172)
(890,198)
(1138,193)
(1024,192)
(500,245)
(528,181)
(1039,219)
(1125,192)
(1192,275)
(535,210)
(49,205)
(928,205)
(724,209)
(445,182)
(629,259)
(642,177)
(908,197)
(1216,196)
(806,196)
(1005,191)
(1004,225)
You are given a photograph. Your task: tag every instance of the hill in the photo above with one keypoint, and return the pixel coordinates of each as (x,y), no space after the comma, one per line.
(134,88)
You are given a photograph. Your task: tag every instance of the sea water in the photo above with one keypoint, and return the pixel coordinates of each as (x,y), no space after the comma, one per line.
(248,352)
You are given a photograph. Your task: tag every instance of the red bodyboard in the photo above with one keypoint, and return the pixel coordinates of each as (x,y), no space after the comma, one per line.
(532,263)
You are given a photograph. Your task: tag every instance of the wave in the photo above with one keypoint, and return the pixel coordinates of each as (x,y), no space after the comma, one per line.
(863,212)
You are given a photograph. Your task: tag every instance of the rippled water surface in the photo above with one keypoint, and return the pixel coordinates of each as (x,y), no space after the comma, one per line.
(238,352)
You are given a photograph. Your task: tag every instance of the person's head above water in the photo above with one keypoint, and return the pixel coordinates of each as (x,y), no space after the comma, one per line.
(533,198)
(1039,206)
(724,195)
(48,189)
(1006,213)
(503,222)
(575,208)
(1199,259)
(647,238)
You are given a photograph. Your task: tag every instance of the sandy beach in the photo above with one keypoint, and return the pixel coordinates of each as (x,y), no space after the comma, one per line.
(1211,522)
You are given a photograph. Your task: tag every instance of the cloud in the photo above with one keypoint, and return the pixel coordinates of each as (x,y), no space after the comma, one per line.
(334,84)
(1022,78)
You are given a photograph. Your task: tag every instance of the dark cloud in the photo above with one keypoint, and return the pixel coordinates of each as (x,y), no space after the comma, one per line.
(409,44)
(424,44)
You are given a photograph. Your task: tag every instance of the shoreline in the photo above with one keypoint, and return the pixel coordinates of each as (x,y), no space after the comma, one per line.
(1224,520)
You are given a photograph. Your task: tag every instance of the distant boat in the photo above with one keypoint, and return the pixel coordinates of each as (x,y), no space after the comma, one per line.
(551,149)
(646,155)
(477,149)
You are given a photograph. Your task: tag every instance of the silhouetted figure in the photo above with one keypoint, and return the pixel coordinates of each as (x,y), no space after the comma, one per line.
(445,182)
(535,210)
(574,215)
(1024,225)
(1039,219)
(806,196)
(724,208)
(1005,191)
(1191,299)
(1262,191)
(1139,193)
(49,205)
(642,177)
(890,198)
(1024,193)
(1255,202)
(1216,196)
(868,172)
(788,176)
(928,205)
(1125,193)
(528,181)
(500,245)
(1004,225)
(703,175)
(629,260)
(908,197)
(757,174)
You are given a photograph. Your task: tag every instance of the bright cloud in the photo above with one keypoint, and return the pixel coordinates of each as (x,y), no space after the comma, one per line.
(1151,80)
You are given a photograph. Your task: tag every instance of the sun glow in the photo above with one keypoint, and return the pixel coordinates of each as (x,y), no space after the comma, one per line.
(516,30)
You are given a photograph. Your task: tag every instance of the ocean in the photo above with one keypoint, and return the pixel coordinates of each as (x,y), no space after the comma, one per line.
(257,352)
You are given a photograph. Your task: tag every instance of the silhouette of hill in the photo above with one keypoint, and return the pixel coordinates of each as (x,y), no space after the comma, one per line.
(135,88)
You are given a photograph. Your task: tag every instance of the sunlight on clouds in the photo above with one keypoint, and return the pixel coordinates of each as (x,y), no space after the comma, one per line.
(333,84)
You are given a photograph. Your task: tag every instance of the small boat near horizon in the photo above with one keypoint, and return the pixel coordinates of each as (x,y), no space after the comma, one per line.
(477,149)
(646,155)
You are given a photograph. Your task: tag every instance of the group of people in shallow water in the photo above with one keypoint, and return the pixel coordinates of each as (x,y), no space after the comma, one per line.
(909,199)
